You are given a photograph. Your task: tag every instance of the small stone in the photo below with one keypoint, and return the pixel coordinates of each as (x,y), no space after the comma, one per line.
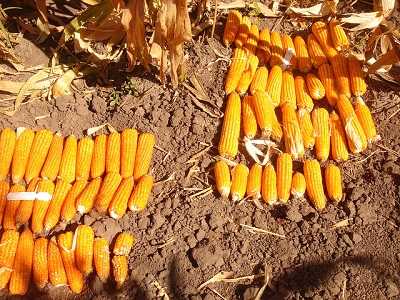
(293,215)
(392,289)
(356,237)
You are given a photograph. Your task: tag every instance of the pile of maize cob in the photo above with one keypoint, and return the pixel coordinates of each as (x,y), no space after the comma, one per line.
(64,259)
(293,86)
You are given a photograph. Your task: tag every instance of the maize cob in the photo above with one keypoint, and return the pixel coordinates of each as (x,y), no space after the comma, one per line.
(263,46)
(229,140)
(298,187)
(243,31)
(84,248)
(222,178)
(240,174)
(143,156)
(74,276)
(356,75)
(68,160)
(320,120)
(84,203)
(108,188)
(367,122)
(7,145)
(40,207)
(54,211)
(141,193)
(4,188)
(120,199)
(57,275)
(303,97)
(254,184)
(84,158)
(356,138)
(38,153)
(252,39)
(284,176)
(259,81)
(98,166)
(22,269)
(129,139)
(341,71)
(40,265)
(333,182)
(317,55)
(247,75)
(321,32)
(123,244)
(69,207)
(11,208)
(339,37)
(277,132)
(249,117)
(231,27)
(8,248)
(101,257)
(315,189)
(21,153)
(264,110)
(269,191)
(306,128)
(120,269)
(52,163)
(237,67)
(315,86)
(288,92)
(292,133)
(328,80)
(113,152)
(25,208)
(274,85)
(303,58)
(339,147)
(276,49)
(288,46)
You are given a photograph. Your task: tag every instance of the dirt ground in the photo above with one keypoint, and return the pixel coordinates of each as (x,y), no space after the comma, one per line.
(183,240)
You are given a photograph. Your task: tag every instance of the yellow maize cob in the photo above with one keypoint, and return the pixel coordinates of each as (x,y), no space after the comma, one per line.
(328,80)
(69,207)
(4,189)
(143,156)
(120,199)
(113,152)
(53,160)
(317,55)
(74,276)
(315,86)
(231,27)
(229,140)
(247,75)
(249,117)
(320,120)
(303,97)
(108,188)
(243,31)
(129,139)
(222,178)
(123,244)
(264,110)
(68,160)
(22,269)
(288,92)
(40,207)
(274,85)
(298,187)
(57,275)
(306,128)
(101,257)
(98,166)
(333,181)
(21,153)
(141,193)
(356,75)
(276,49)
(339,37)
(253,188)
(284,176)
(303,57)
(237,67)
(259,81)
(269,191)
(25,208)
(120,269)
(8,248)
(7,145)
(84,249)
(40,265)
(252,40)
(341,71)
(264,46)
(11,208)
(367,122)
(321,32)
(84,158)
(288,46)
(240,174)
(292,133)
(339,147)
(315,189)
(84,203)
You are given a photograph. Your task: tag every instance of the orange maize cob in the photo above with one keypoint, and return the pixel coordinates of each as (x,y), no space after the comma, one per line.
(22,269)
(321,32)
(123,244)
(4,188)
(113,152)
(249,117)
(277,132)
(328,80)
(306,128)
(341,71)
(68,160)
(57,275)
(52,163)
(222,178)
(21,153)
(284,176)
(243,31)
(84,249)
(333,181)
(254,184)
(367,122)
(237,67)
(303,58)
(120,269)
(292,132)
(357,80)
(7,145)
(356,138)
(98,166)
(247,75)
(229,140)
(25,208)
(315,189)
(84,158)
(276,49)
(288,46)
(84,203)
(240,174)
(231,27)
(101,257)
(69,206)
(320,119)
(54,211)
(40,207)
(74,276)
(8,248)
(298,187)
(129,139)
(259,81)
(120,199)
(339,37)
(339,147)
(288,92)
(141,193)
(274,85)
(303,97)
(143,156)
(252,39)
(269,191)
(108,188)
(264,46)
(11,208)
(317,55)
(40,265)
(264,110)
(315,86)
